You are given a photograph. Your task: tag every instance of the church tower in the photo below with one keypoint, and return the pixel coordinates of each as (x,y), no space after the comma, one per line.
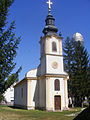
(52,68)
(51,48)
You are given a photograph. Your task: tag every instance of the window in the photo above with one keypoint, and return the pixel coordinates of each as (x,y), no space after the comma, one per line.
(57,85)
(21,92)
(16,93)
(54,47)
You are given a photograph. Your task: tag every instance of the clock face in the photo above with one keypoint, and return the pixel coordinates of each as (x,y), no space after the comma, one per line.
(55,65)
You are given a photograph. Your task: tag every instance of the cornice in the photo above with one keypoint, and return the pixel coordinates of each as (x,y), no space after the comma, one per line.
(25,80)
(41,77)
(54,54)
(53,75)
(50,36)
(22,81)
(44,55)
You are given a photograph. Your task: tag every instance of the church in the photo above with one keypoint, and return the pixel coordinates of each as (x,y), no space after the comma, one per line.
(46,86)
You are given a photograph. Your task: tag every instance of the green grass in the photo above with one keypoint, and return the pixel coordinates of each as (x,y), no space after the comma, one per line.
(8,113)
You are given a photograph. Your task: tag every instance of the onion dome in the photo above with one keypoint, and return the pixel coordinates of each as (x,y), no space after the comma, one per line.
(50,27)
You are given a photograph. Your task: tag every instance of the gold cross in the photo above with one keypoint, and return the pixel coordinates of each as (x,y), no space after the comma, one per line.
(49,3)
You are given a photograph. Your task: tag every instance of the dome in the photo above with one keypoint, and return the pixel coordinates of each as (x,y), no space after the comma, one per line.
(78,37)
(50,25)
(32,73)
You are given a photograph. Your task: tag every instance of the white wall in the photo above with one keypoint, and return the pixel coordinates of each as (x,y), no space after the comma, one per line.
(19,100)
(49,61)
(34,93)
(52,93)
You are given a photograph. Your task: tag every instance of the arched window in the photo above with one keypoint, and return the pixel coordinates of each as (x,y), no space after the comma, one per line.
(57,85)
(54,47)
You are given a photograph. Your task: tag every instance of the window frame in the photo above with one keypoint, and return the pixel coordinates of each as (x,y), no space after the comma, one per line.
(57,85)
(54,46)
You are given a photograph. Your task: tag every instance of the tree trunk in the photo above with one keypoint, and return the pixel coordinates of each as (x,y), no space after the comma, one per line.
(73,101)
(82,102)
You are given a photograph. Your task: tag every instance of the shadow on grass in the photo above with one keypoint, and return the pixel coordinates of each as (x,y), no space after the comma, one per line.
(84,115)
(19,108)
(13,107)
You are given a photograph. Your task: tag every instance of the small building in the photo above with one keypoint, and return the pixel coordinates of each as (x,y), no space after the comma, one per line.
(46,86)
(9,95)
(78,37)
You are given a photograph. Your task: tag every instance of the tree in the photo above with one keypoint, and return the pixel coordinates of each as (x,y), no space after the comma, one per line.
(79,78)
(8,46)
(76,62)
(68,58)
(14,77)
(68,52)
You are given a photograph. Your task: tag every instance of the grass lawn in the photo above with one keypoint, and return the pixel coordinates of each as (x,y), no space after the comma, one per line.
(8,113)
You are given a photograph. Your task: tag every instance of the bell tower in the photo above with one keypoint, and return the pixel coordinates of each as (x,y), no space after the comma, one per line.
(51,47)
(53,79)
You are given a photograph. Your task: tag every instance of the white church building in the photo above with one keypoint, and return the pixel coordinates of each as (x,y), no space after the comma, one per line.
(46,86)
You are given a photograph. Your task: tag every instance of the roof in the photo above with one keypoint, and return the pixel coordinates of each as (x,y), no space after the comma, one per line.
(78,37)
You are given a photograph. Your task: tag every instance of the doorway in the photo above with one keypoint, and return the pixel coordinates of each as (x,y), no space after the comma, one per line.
(57,102)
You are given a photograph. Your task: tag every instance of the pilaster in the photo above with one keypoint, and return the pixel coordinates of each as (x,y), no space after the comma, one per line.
(47,93)
(66,92)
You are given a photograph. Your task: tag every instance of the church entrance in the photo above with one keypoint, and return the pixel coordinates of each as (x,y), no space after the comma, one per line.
(57,102)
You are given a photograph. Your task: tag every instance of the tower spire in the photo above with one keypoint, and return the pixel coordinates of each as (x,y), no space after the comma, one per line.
(50,27)
(49,7)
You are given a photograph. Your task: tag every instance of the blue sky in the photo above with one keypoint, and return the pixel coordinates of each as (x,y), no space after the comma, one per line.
(71,16)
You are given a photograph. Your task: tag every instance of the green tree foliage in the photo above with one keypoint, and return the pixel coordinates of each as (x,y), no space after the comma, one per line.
(12,78)
(68,58)
(1,98)
(78,63)
(80,78)
(68,55)
(8,46)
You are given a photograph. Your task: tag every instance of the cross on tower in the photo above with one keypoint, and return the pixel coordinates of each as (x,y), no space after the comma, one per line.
(49,3)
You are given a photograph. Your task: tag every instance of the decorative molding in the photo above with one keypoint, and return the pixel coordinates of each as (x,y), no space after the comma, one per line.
(31,78)
(41,77)
(51,55)
(55,55)
(55,65)
(53,75)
